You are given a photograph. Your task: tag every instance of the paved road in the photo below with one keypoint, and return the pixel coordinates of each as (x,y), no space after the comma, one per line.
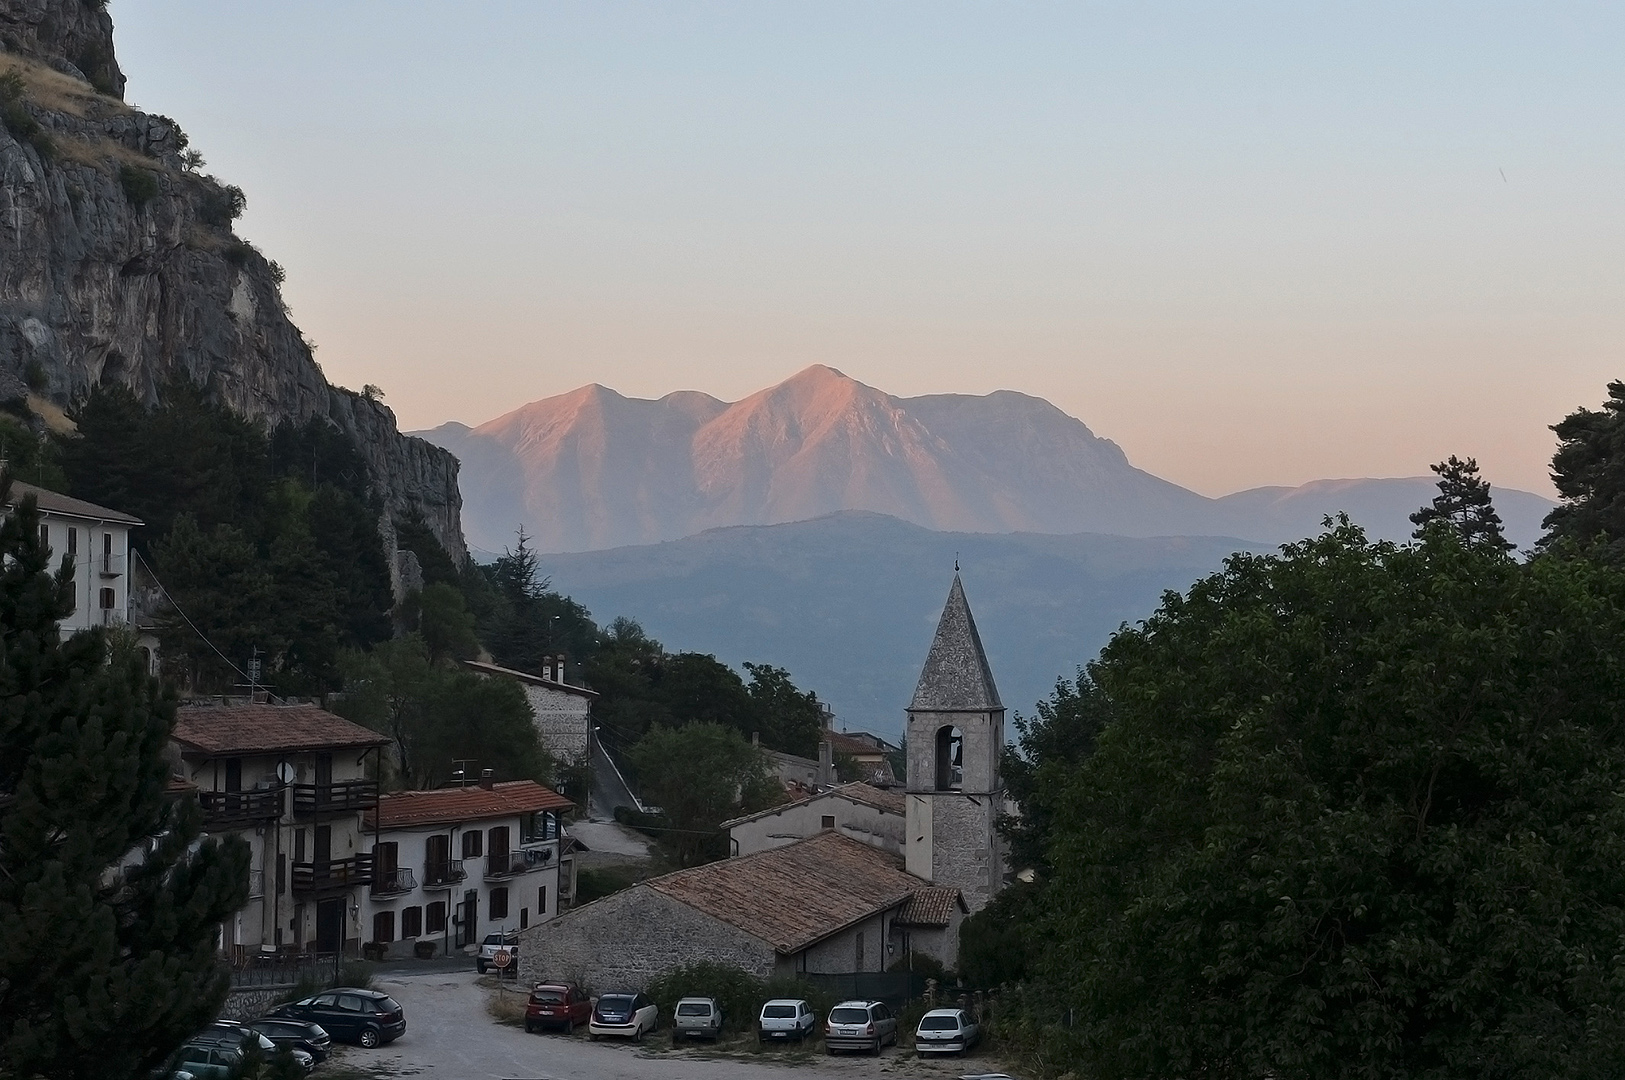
(451,1036)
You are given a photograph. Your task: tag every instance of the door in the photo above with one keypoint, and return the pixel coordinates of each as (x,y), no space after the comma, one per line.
(437,859)
(468,921)
(324,847)
(497,849)
(385,865)
(329,925)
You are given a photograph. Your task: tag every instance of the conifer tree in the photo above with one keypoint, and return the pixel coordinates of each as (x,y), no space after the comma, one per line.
(1464,502)
(1588,470)
(109,904)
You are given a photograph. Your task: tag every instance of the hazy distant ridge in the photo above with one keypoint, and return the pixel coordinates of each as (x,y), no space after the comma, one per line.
(592,469)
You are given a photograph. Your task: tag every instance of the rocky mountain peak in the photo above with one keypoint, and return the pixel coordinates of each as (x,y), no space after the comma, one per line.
(74,37)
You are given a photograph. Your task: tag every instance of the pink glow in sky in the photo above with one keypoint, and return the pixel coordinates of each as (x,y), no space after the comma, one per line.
(1256,247)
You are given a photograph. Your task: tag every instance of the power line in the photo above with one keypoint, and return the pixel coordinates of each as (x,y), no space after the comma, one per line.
(187,620)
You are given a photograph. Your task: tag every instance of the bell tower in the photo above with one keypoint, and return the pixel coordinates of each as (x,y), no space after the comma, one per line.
(954,791)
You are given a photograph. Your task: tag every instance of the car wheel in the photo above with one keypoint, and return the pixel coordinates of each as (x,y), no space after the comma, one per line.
(569,1028)
(369,1038)
(481,967)
(530,1029)
(875,1049)
(593,1035)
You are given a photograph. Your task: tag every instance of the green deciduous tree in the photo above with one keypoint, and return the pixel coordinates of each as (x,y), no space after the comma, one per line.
(700,775)
(1356,813)
(1048,748)
(1464,504)
(109,902)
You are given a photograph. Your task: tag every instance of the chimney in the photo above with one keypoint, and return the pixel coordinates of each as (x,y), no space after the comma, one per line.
(559,670)
(486,780)
(547,669)
(826,763)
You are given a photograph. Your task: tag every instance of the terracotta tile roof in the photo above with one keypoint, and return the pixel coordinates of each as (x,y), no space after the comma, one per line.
(857,791)
(796,895)
(447,805)
(526,677)
(842,743)
(267,729)
(53,502)
(933,906)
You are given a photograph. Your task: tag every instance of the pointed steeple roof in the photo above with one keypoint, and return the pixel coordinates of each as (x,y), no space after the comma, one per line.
(956,676)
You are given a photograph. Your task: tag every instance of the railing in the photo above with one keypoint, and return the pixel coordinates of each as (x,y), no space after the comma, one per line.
(111,616)
(222,808)
(393,882)
(112,565)
(334,876)
(344,797)
(449,872)
(256,883)
(517,862)
(278,968)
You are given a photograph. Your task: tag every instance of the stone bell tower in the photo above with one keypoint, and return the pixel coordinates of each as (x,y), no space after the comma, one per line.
(955,733)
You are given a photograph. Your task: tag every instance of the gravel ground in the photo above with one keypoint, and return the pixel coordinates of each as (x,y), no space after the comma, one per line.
(451,1036)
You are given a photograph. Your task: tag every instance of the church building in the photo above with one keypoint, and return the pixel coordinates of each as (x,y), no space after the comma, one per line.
(838,898)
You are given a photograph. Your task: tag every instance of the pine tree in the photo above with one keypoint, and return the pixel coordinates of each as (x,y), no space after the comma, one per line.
(1464,502)
(109,903)
(1588,470)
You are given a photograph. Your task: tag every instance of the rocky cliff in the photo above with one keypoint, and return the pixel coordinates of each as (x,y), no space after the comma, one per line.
(118,262)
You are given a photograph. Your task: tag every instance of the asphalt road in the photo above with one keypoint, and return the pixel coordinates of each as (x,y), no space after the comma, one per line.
(451,1036)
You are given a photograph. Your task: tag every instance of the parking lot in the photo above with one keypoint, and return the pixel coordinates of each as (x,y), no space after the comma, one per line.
(451,1036)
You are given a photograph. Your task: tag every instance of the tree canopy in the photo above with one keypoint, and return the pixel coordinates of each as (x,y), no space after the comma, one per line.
(110,900)
(1588,470)
(1355,812)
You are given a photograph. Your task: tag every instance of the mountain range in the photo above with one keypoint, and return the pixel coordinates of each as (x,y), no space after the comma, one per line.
(593,469)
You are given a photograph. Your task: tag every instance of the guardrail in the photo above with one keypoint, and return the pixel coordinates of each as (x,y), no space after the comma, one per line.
(344,797)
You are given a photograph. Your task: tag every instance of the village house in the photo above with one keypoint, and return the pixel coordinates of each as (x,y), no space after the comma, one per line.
(861,811)
(561,712)
(292,780)
(453,863)
(828,902)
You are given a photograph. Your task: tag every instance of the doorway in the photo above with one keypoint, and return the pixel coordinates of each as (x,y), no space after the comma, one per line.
(329,925)
(468,922)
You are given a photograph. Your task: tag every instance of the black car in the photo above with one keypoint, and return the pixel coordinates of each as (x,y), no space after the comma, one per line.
(313,1039)
(350,1014)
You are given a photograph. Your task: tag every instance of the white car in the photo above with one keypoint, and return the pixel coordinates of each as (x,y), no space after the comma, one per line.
(946,1031)
(493,944)
(696,1018)
(625,1015)
(785,1019)
(860,1025)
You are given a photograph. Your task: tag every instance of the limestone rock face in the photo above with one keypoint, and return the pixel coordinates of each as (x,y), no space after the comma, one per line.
(118,264)
(65,33)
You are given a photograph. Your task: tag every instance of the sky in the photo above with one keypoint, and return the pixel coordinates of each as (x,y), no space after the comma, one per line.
(1251,243)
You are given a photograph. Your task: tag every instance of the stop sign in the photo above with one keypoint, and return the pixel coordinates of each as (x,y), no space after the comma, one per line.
(502,958)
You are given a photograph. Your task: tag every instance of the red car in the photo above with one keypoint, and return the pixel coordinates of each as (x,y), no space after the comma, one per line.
(557,1005)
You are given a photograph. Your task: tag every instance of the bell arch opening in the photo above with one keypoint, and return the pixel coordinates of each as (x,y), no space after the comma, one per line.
(950,758)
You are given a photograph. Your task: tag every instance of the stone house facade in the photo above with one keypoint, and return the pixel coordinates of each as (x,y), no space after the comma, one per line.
(562,712)
(452,864)
(291,780)
(857,810)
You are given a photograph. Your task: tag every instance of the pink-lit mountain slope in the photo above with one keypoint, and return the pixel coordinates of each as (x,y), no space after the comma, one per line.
(591,469)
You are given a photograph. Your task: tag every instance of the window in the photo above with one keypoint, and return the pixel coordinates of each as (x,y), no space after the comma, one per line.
(437,918)
(411,923)
(473,842)
(299,845)
(538,826)
(541,902)
(499,903)
(109,600)
(281,872)
(950,759)
(73,541)
(45,536)
(828,821)
(524,917)
(383,926)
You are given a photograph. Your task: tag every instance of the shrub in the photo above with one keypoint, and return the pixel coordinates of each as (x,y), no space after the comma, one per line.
(221,205)
(738,991)
(140,185)
(17,119)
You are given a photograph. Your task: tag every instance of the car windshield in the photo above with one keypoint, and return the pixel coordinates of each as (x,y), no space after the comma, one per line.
(614,1004)
(547,997)
(939,1023)
(849,1016)
(778,1012)
(693,1008)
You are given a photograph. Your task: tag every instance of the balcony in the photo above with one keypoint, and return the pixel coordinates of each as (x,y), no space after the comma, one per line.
(111,565)
(223,809)
(440,874)
(345,797)
(337,875)
(517,862)
(393,882)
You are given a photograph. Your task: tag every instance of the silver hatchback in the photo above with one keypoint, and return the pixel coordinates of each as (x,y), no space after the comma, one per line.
(860,1025)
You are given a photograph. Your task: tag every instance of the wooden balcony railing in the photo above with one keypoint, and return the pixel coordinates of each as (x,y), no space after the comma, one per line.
(337,875)
(345,797)
(225,808)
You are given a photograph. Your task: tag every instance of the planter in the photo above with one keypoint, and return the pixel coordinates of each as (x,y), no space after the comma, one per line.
(423,950)
(374,950)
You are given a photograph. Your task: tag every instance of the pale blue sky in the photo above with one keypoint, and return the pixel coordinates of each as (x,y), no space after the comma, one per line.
(1256,244)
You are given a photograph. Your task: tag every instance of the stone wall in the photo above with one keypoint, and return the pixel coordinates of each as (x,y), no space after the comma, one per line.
(624,940)
(563,719)
(796,821)
(964,850)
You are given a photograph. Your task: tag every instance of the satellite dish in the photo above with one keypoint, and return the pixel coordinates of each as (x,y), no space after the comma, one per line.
(285,772)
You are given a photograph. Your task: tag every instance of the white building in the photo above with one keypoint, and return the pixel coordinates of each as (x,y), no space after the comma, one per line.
(562,712)
(449,865)
(292,781)
(867,814)
(98,541)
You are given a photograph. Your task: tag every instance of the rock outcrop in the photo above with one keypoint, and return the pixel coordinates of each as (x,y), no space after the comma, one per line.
(118,263)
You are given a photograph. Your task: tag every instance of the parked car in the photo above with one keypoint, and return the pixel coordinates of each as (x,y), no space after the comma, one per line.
(313,1039)
(350,1014)
(557,1005)
(696,1018)
(785,1019)
(236,1030)
(946,1031)
(623,1014)
(489,948)
(219,1050)
(860,1025)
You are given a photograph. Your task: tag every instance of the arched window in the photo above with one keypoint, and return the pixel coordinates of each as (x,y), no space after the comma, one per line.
(950,759)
